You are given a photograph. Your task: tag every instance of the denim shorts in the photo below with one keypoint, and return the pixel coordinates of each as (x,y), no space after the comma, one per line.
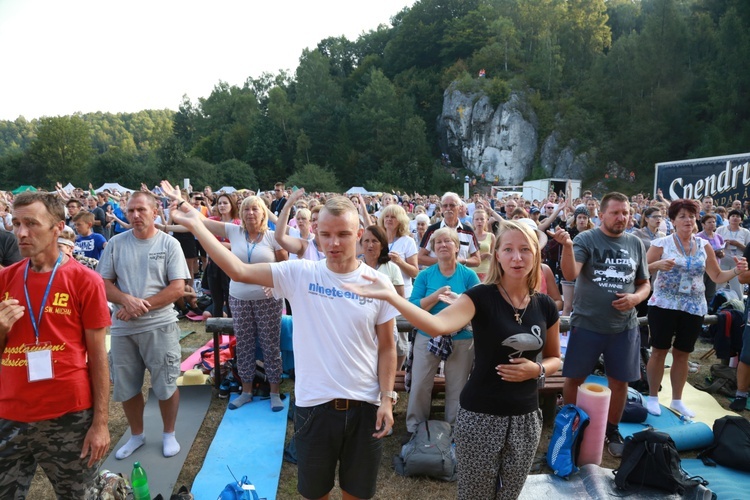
(325,437)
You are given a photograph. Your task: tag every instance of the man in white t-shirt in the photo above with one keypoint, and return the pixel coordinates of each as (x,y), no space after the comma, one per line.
(345,355)
(736,238)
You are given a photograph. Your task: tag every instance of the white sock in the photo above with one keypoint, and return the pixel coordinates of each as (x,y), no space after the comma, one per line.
(169,443)
(680,407)
(240,400)
(276,404)
(135,442)
(652,405)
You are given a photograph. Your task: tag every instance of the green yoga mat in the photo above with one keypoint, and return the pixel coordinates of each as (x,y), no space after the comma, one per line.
(162,472)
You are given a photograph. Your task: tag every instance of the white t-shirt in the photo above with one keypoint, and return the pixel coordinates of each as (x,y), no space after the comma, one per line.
(335,343)
(250,252)
(742,235)
(405,247)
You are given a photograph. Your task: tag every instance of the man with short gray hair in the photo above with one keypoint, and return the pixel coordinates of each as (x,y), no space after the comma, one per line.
(468,253)
(144,272)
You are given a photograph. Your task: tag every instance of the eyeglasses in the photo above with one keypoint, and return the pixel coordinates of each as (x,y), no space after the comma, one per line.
(549,208)
(657,217)
(448,205)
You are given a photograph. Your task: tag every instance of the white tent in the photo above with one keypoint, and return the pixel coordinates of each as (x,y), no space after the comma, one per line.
(112,186)
(227,189)
(69,187)
(357,190)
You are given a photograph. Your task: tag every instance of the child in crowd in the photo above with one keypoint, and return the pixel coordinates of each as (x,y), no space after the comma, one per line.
(88,242)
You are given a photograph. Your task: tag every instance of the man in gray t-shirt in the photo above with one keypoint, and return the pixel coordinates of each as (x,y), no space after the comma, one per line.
(611,274)
(144,272)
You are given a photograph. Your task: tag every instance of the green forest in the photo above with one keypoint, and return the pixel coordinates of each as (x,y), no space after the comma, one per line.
(635,81)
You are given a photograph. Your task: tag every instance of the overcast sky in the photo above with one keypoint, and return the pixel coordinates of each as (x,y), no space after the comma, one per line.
(62,57)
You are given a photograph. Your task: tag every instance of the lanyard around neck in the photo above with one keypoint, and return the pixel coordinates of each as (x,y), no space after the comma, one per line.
(35,322)
(682,247)
(249,249)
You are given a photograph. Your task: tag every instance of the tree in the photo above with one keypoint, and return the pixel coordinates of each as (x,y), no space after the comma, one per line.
(235,173)
(318,104)
(314,178)
(123,167)
(62,149)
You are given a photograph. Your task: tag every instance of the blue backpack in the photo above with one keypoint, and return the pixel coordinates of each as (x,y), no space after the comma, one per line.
(565,445)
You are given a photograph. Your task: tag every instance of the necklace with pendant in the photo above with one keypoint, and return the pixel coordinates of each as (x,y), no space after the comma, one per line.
(518,316)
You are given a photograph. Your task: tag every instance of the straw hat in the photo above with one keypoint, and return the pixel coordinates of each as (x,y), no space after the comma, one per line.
(193,377)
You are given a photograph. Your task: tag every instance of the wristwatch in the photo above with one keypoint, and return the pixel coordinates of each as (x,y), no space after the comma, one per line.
(541,378)
(390,394)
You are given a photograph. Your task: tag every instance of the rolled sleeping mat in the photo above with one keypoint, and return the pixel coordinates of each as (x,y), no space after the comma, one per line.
(594,400)
(693,436)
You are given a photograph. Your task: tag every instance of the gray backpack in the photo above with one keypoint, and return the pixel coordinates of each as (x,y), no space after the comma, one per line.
(430,452)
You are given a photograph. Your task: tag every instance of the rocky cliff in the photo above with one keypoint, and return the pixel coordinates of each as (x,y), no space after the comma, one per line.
(501,142)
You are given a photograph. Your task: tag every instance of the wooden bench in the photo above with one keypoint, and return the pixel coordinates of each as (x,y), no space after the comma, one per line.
(547,395)
(553,386)
(437,388)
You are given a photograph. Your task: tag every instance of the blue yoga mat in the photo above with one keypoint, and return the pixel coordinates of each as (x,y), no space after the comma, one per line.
(666,420)
(250,440)
(690,436)
(725,482)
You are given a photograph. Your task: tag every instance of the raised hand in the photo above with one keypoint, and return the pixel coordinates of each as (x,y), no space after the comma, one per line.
(296,195)
(189,219)
(561,236)
(173,193)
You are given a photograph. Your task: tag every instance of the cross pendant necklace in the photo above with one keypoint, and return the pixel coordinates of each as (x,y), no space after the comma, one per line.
(518,316)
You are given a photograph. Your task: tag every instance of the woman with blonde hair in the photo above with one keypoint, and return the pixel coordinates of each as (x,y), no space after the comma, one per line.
(485,239)
(302,248)
(499,423)
(401,246)
(256,318)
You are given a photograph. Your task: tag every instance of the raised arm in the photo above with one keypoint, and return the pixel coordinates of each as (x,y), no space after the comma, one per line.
(257,274)
(546,223)
(173,193)
(568,265)
(451,319)
(291,244)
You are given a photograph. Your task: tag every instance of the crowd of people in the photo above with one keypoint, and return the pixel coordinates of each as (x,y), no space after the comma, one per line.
(484,282)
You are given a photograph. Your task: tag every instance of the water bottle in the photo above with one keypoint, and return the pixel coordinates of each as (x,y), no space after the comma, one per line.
(139,481)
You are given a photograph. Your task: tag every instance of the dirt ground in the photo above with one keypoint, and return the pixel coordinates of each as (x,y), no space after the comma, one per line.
(390,485)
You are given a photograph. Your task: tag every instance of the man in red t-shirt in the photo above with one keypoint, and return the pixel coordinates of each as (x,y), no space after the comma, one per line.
(54,375)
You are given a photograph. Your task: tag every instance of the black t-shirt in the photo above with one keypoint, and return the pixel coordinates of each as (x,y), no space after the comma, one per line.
(101,217)
(497,338)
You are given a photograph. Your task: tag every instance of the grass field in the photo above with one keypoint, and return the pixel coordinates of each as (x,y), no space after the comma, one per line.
(390,485)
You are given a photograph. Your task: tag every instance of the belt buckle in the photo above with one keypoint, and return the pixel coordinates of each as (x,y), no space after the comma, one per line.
(341,404)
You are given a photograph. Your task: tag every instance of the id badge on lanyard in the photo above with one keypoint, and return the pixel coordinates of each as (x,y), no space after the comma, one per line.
(39,362)
(39,357)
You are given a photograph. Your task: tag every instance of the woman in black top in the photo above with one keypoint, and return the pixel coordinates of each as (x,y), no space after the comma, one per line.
(499,422)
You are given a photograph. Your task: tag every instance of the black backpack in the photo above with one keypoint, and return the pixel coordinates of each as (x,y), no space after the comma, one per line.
(731,446)
(651,459)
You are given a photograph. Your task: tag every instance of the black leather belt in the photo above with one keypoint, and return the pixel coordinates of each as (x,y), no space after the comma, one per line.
(344,404)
